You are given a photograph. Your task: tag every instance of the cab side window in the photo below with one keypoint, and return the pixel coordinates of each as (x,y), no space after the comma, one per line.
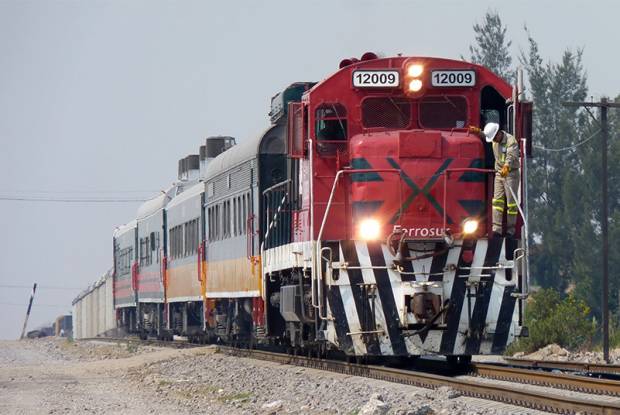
(331,122)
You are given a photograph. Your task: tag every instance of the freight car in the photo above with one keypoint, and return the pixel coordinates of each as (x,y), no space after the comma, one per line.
(359,222)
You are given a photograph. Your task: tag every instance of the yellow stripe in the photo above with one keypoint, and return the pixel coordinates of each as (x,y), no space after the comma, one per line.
(512,209)
(499,209)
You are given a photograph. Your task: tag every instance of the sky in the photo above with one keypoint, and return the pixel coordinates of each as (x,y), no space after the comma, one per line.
(99,99)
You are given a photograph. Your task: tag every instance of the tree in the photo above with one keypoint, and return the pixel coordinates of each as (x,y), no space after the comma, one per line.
(492,48)
(588,263)
(560,219)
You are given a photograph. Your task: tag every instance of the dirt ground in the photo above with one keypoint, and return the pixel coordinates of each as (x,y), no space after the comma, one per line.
(55,376)
(41,377)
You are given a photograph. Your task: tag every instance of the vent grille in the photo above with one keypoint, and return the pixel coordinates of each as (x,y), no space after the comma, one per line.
(386,112)
(443,112)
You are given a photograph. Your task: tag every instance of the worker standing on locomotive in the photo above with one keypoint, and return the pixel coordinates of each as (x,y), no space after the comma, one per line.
(506,152)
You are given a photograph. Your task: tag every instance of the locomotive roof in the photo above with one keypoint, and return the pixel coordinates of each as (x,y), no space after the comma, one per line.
(486,75)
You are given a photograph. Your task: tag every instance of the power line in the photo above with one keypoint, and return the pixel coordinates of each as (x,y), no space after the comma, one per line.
(569,147)
(47,287)
(35,305)
(69,200)
(77,191)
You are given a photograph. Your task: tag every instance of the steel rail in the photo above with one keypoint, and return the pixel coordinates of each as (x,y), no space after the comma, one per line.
(543,378)
(573,366)
(149,342)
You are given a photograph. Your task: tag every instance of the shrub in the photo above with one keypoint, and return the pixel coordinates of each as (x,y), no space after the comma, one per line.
(551,319)
(614,333)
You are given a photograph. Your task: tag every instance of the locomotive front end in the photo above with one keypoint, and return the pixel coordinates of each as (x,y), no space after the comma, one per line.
(407,262)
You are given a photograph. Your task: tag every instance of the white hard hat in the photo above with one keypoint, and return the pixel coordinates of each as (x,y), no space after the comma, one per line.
(490,130)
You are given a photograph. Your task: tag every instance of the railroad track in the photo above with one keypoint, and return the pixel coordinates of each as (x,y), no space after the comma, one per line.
(571,382)
(565,366)
(149,342)
(530,398)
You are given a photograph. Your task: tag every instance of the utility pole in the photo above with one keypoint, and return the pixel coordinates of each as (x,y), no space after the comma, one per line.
(603,105)
(34,289)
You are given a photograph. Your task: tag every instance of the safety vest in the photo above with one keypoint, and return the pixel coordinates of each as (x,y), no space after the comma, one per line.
(506,152)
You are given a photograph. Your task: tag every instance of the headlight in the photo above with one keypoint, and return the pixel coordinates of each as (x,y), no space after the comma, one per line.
(415,85)
(369,229)
(415,70)
(470,226)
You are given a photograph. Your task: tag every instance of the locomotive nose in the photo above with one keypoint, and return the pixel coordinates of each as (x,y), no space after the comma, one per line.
(399,182)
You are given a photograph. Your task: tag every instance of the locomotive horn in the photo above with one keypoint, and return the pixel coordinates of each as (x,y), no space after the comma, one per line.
(369,56)
(345,63)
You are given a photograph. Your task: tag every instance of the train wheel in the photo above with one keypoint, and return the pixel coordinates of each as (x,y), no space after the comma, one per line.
(465,360)
(459,362)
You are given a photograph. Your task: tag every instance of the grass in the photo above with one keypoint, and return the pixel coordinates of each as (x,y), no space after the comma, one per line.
(235,397)
(132,348)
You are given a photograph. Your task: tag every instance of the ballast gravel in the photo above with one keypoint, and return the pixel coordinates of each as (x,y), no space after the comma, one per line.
(219,383)
(53,376)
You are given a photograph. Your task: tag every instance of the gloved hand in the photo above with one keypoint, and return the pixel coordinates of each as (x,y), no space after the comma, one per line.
(474,130)
(504,171)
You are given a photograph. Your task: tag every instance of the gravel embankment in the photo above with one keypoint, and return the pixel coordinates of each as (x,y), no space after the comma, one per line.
(225,384)
(52,376)
(557,353)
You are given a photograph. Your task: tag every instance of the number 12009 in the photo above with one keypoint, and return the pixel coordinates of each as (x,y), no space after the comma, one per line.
(370,79)
(453,78)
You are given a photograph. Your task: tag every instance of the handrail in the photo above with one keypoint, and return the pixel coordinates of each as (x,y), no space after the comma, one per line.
(525,235)
(525,229)
(271,224)
(526,287)
(275,217)
(275,186)
(317,295)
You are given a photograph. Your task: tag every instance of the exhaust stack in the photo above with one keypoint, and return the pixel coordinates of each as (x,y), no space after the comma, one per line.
(203,161)
(189,168)
(216,145)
